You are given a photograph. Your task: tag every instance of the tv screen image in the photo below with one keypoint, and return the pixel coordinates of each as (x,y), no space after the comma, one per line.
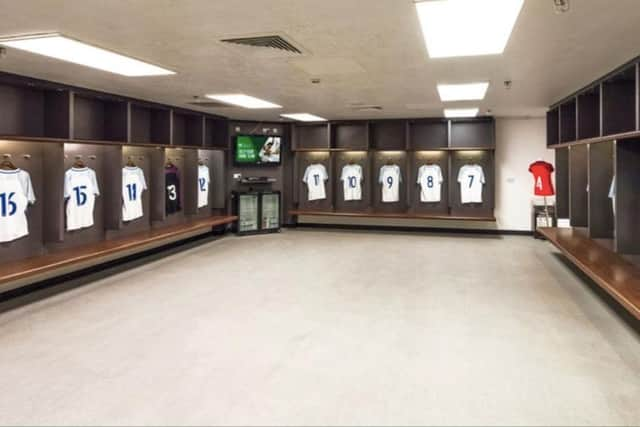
(257,150)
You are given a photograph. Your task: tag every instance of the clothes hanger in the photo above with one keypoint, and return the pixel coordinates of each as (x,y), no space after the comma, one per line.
(7,164)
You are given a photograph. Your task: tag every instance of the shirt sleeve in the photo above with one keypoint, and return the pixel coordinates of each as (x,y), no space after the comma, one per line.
(440,178)
(67,185)
(28,189)
(143,182)
(325,175)
(461,174)
(208,175)
(94,182)
(551,169)
(360,173)
(482,180)
(399,174)
(612,188)
(343,173)
(420,172)
(380,175)
(305,178)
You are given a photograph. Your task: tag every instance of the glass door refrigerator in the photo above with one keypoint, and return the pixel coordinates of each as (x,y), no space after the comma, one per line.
(258,212)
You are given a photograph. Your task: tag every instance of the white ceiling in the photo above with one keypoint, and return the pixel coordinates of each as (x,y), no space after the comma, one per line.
(364,51)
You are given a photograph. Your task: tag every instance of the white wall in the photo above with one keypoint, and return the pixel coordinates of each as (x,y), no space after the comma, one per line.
(519,142)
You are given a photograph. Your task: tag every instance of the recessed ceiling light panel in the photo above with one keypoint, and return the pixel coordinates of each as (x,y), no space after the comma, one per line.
(244,101)
(63,48)
(303,117)
(467,27)
(451,113)
(462,92)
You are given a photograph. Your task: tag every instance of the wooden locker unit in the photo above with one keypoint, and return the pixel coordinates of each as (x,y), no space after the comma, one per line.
(46,125)
(311,137)
(378,160)
(349,136)
(416,160)
(341,159)
(484,158)
(150,124)
(588,125)
(562,182)
(30,158)
(409,143)
(428,134)
(601,171)
(305,159)
(627,214)
(605,239)
(99,118)
(578,185)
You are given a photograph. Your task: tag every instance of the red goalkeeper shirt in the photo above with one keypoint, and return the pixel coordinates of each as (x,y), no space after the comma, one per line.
(542,178)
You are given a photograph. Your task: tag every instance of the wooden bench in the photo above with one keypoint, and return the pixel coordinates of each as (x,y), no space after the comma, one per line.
(391,215)
(20,273)
(619,277)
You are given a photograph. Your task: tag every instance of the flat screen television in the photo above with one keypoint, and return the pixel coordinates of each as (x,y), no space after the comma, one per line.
(252,150)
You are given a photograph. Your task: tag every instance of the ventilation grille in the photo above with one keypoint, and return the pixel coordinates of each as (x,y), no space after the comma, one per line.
(209,104)
(273,41)
(364,107)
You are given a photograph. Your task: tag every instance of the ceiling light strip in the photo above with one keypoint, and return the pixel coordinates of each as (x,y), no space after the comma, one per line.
(60,47)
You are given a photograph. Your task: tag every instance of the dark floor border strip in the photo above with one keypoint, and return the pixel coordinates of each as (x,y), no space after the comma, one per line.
(404,228)
(148,254)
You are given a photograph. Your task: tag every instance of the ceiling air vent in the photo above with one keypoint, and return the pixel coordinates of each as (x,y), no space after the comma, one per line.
(272,41)
(365,107)
(209,104)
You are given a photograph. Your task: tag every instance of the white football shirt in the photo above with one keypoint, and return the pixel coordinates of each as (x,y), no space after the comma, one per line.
(351,178)
(314,176)
(133,184)
(390,179)
(80,191)
(16,192)
(612,188)
(203,185)
(430,180)
(471,179)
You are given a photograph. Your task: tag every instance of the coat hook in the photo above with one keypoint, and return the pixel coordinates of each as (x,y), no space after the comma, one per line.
(27,156)
(6,156)
(93,157)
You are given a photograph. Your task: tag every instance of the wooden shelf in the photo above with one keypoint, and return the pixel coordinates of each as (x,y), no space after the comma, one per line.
(607,138)
(391,215)
(98,142)
(329,150)
(33,269)
(619,277)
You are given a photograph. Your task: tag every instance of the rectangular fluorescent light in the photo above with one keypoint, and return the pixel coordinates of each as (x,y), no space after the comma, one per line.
(244,101)
(467,27)
(60,47)
(303,117)
(462,92)
(460,112)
